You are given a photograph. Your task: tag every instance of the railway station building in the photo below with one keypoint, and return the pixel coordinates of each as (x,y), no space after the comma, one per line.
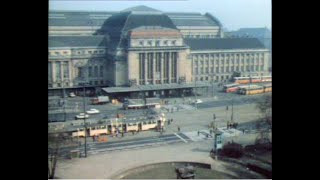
(144,50)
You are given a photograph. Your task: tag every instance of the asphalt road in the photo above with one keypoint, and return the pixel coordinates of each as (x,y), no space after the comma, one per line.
(222,101)
(96,147)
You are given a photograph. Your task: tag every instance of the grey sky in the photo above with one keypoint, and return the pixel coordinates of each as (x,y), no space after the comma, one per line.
(233,14)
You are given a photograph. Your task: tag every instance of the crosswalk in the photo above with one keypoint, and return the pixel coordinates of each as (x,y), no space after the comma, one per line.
(182,137)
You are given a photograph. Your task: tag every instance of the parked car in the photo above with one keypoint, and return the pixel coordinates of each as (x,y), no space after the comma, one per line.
(82,116)
(198,101)
(93,111)
(72,95)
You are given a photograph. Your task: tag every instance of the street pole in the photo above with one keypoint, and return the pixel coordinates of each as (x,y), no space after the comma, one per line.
(232,111)
(64,103)
(85,125)
(195,94)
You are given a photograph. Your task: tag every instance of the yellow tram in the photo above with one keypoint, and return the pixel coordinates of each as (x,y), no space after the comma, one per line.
(120,125)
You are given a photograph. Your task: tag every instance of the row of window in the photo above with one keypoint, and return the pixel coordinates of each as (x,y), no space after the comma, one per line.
(95,71)
(231,69)
(217,62)
(200,36)
(214,78)
(57,53)
(228,55)
(157,43)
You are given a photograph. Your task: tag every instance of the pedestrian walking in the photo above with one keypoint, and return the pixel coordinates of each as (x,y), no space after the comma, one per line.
(211,131)
(227,108)
(242,131)
(214,116)
(179,128)
(93,138)
(122,134)
(198,133)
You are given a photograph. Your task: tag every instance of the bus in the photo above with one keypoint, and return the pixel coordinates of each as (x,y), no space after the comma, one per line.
(254,89)
(230,87)
(266,78)
(254,79)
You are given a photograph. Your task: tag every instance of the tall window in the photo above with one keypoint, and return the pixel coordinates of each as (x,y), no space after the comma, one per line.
(217,69)
(257,68)
(96,71)
(141,67)
(80,69)
(58,70)
(90,71)
(158,62)
(49,71)
(101,72)
(65,70)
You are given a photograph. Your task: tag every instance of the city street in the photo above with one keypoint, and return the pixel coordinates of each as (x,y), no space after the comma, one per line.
(74,106)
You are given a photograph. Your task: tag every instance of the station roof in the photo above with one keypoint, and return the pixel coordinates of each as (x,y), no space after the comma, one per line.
(98,18)
(77,41)
(152,87)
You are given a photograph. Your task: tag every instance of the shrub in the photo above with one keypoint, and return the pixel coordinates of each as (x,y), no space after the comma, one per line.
(232,150)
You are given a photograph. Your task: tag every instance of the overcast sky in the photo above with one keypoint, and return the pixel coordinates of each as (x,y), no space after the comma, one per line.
(233,14)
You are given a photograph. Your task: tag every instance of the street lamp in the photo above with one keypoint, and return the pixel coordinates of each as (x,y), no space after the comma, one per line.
(84,119)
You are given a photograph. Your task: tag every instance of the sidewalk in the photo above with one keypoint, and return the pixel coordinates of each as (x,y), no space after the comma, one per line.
(110,164)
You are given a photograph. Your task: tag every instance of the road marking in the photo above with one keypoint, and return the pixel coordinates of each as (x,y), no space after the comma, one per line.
(180,138)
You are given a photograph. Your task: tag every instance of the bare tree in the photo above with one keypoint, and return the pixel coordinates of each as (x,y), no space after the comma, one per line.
(265,108)
(54,144)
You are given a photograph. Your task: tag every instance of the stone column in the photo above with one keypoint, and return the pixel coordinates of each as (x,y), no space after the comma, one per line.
(153,68)
(178,67)
(169,69)
(145,68)
(53,71)
(70,74)
(62,72)
(161,67)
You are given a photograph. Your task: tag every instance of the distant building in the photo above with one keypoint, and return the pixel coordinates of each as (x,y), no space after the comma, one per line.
(263,34)
(141,49)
